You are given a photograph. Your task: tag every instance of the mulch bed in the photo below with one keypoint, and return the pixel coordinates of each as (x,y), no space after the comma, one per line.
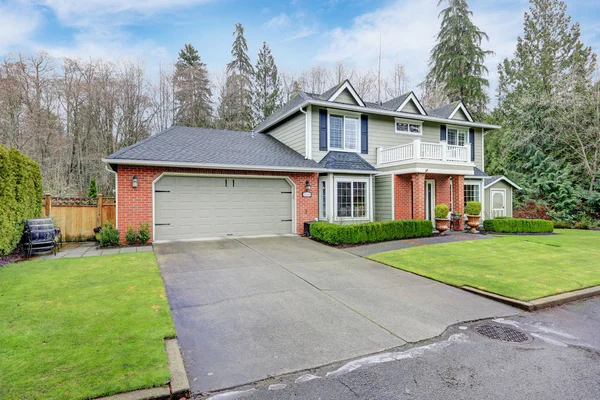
(16,256)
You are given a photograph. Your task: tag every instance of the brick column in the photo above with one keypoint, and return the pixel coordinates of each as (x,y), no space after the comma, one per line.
(402,197)
(458,194)
(418,183)
(442,189)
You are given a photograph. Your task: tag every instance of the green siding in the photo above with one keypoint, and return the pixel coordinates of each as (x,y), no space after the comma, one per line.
(460,115)
(346,97)
(292,133)
(410,107)
(479,149)
(383,198)
(488,199)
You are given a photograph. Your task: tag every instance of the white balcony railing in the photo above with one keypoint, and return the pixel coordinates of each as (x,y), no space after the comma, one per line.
(418,150)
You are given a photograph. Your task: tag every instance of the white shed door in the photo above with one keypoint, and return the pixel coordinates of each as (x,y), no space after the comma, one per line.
(189,207)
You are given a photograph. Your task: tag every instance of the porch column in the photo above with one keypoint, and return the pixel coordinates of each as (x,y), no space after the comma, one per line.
(403,197)
(418,196)
(458,195)
(442,190)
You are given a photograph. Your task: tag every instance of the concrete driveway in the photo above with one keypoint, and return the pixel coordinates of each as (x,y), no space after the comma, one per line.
(247,309)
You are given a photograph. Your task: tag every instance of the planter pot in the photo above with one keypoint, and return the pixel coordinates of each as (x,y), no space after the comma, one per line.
(457,222)
(473,222)
(442,225)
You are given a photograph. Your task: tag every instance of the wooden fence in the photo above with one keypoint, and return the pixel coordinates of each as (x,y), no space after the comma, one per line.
(77,217)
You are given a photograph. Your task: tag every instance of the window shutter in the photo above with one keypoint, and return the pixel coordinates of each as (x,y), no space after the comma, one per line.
(364,134)
(323,130)
(443,133)
(472,141)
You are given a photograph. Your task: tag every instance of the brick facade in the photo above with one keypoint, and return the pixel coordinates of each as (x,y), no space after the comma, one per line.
(409,194)
(134,205)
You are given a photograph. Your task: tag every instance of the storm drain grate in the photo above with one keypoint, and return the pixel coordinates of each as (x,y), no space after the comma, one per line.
(502,333)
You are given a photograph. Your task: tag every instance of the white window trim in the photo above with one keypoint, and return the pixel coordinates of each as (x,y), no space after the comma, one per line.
(411,122)
(367,216)
(414,99)
(320,195)
(458,128)
(482,198)
(344,114)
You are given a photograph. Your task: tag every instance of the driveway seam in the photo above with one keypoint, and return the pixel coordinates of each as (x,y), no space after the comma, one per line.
(325,293)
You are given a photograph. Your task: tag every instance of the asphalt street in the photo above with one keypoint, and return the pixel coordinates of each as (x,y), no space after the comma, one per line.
(559,358)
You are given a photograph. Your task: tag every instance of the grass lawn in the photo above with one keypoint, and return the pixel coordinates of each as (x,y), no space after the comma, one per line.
(520,267)
(82,327)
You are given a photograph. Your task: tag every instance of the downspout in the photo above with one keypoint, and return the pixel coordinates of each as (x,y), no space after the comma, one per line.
(116,195)
(306,132)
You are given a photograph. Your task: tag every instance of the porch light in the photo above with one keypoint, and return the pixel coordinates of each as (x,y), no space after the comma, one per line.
(308,187)
(134,181)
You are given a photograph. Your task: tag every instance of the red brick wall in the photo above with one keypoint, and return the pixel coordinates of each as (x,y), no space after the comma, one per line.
(418,196)
(442,188)
(135,204)
(402,197)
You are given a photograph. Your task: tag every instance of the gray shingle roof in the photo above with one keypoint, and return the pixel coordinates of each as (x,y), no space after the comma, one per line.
(295,102)
(492,179)
(342,160)
(396,102)
(212,146)
(479,173)
(328,93)
(444,111)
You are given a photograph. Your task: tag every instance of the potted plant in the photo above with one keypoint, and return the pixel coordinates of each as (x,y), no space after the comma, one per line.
(473,211)
(442,223)
(456,217)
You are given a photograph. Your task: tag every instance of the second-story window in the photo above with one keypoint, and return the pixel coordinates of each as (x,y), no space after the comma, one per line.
(409,127)
(343,132)
(458,137)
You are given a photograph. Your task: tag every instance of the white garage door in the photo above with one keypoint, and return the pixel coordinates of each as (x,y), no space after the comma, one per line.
(204,207)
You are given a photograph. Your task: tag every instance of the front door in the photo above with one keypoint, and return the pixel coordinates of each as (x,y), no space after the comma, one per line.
(498,203)
(430,200)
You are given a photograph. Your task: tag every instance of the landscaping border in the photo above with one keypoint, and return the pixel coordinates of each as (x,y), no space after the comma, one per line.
(178,386)
(541,303)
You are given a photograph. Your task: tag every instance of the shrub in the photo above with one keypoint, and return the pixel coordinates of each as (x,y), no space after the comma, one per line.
(109,236)
(561,225)
(144,235)
(93,189)
(441,211)
(518,225)
(20,196)
(370,232)
(473,208)
(131,237)
(531,210)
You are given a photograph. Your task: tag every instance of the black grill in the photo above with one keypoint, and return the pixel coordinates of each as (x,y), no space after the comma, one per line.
(502,333)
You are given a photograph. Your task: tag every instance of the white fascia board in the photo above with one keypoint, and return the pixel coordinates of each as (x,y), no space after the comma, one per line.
(503,178)
(348,86)
(350,107)
(414,99)
(229,166)
(462,107)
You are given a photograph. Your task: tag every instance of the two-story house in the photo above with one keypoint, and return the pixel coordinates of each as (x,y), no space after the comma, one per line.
(329,157)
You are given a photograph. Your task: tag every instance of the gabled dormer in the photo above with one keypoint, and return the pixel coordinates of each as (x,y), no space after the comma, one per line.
(455,110)
(343,93)
(407,103)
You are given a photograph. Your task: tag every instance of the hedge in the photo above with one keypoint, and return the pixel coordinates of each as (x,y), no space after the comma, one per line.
(518,225)
(20,195)
(370,232)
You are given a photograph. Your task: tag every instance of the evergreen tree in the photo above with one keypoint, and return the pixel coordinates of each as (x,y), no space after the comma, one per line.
(267,93)
(238,93)
(93,189)
(457,60)
(192,90)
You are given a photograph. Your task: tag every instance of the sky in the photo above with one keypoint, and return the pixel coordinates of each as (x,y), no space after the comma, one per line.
(301,34)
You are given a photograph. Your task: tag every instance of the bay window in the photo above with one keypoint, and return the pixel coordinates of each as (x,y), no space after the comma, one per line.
(351,199)
(343,132)
(458,137)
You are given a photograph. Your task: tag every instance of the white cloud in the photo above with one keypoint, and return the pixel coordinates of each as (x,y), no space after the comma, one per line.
(17,26)
(408,30)
(278,22)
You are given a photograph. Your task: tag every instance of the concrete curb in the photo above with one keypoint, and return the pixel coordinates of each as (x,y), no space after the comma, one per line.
(539,304)
(178,387)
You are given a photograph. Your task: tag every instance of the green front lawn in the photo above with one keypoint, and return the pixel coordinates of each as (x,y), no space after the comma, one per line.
(82,327)
(520,267)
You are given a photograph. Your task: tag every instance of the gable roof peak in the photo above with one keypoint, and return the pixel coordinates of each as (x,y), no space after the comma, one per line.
(334,92)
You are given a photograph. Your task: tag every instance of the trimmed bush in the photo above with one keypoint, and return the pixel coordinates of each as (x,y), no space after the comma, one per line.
(561,225)
(518,225)
(473,208)
(144,235)
(20,196)
(109,236)
(131,237)
(370,232)
(441,211)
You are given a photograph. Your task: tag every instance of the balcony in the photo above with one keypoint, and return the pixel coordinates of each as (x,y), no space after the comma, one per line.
(424,152)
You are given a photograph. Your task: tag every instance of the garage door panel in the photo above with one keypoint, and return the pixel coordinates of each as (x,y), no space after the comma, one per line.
(199,207)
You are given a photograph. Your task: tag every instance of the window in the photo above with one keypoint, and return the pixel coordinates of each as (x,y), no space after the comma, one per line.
(343,132)
(408,127)
(323,199)
(351,199)
(458,137)
(471,193)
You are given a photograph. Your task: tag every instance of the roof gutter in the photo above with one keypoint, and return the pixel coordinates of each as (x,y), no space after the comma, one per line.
(381,112)
(172,164)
